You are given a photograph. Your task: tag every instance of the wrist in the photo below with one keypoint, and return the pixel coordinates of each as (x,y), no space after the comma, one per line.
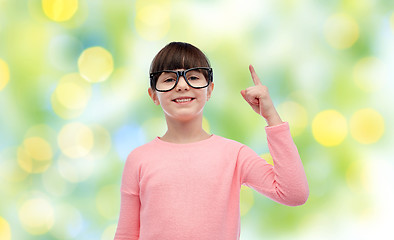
(273,119)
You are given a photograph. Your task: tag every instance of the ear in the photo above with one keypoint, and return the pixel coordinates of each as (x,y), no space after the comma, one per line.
(209,90)
(152,94)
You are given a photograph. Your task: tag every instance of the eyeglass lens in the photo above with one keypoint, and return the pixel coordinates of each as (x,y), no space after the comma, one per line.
(197,78)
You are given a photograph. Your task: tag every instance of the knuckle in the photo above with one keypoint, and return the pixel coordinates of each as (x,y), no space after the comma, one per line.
(264,88)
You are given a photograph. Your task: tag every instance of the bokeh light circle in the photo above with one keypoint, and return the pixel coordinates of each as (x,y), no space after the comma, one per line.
(4,74)
(367,126)
(295,114)
(153,21)
(5,230)
(36,216)
(75,140)
(43,132)
(341,31)
(64,112)
(71,96)
(73,92)
(95,64)
(38,148)
(329,128)
(370,74)
(60,10)
(35,155)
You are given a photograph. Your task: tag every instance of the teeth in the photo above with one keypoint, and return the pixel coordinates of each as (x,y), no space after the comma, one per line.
(183,100)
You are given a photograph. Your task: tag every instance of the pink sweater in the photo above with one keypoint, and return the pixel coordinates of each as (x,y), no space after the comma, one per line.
(192,191)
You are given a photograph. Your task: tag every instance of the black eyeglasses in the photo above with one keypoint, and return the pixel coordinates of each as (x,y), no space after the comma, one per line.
(166,80)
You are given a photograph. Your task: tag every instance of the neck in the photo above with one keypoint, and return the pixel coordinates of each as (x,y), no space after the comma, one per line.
(185,131)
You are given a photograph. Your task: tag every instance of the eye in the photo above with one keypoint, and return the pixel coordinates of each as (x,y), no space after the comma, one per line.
(168,80)
(193,78)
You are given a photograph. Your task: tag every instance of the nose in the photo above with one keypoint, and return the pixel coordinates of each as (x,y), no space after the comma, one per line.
(182,84)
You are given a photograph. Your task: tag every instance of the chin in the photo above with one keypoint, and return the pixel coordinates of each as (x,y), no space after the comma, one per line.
(183,117)
(183,114)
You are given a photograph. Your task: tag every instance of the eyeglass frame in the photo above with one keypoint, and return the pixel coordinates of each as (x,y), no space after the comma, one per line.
(181,74)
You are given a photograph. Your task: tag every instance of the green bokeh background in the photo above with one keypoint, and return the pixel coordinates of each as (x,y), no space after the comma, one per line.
(287,41)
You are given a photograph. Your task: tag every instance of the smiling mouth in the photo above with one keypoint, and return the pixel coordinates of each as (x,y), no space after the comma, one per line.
(183,100)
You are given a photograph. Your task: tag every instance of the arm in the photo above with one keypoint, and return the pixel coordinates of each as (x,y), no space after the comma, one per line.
(285,182)
(129,217)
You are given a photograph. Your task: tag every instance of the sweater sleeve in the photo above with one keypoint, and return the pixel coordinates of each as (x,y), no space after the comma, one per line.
(285,182)
(129,217)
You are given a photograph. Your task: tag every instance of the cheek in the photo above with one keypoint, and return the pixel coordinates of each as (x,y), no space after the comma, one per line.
(162,97)
(201,97)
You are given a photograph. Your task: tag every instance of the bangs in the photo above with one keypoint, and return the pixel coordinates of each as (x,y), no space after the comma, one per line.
(179,55)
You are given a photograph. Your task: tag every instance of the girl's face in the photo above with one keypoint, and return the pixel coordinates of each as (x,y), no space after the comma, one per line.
(182,103)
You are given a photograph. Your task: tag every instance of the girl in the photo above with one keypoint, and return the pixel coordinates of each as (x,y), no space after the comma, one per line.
(186,184)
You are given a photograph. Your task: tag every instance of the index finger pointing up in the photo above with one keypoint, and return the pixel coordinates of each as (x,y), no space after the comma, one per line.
(255,78)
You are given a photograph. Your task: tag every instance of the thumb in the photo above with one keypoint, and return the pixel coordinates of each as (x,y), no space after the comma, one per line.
(243,95)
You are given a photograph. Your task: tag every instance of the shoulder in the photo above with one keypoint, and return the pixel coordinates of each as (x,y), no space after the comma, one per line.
(234,146)
(232,149)
(143,148)
(226,142)
(141,152)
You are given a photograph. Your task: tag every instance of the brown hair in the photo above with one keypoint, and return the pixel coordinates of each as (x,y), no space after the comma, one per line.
(178,55)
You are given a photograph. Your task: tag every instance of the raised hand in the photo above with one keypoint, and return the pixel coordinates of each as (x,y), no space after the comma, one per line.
(259,99)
